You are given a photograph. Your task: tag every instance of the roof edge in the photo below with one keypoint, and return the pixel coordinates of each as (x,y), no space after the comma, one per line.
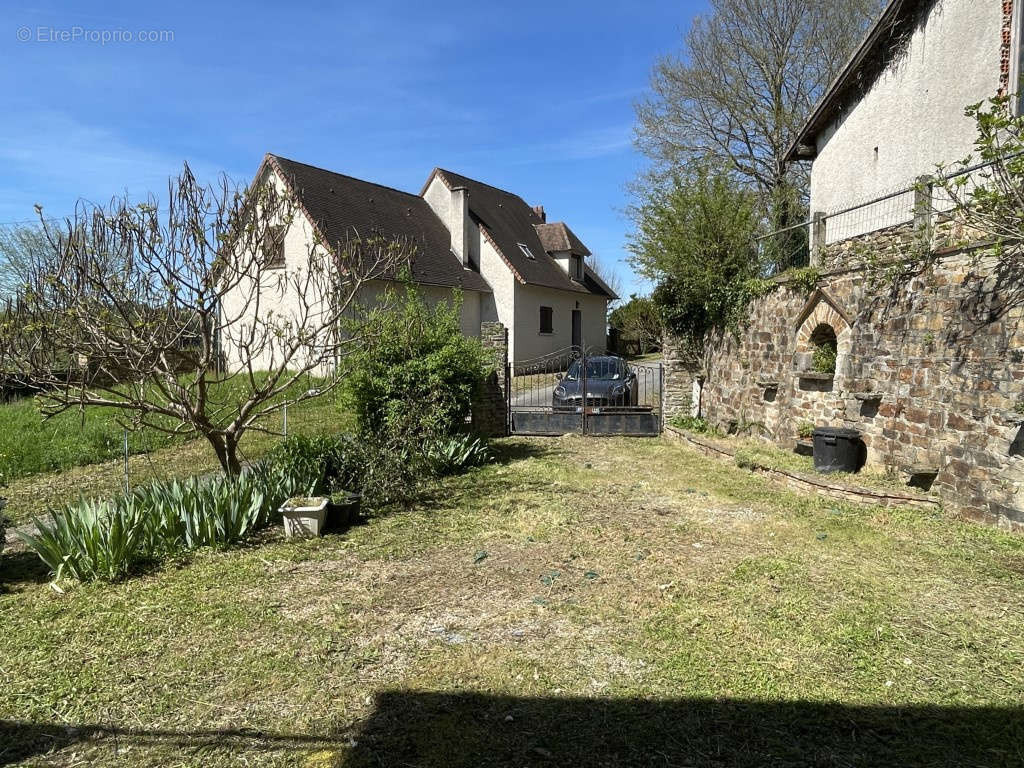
(271,161)
(842,80)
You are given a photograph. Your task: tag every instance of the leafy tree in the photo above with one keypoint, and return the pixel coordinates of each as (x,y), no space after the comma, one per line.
(638,320)
(19,245)
(694,238)
(749,74)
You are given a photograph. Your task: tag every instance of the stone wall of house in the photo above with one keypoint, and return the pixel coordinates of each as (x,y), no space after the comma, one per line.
(490,407)
(930,369)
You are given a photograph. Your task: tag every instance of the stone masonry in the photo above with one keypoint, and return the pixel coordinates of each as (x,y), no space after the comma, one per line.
(930,370)
(680,371)
(490,417)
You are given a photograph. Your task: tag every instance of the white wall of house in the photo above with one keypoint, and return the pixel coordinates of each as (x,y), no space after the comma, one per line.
(277,297)
(515,305)
(911,119)
(530,342)
(441,201)
(375,290)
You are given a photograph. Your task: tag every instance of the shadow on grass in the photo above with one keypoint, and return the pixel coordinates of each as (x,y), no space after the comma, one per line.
(434,729)
(22,566)
(21,741)
(468,729)
(508,451)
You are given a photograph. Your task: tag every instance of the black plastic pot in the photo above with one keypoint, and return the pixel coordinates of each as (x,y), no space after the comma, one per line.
(836,449)
(344,511)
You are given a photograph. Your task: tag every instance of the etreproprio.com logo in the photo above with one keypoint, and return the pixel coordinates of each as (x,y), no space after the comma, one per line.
(108,36)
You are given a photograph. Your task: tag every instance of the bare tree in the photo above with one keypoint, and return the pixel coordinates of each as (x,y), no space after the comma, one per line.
(749,74)
(183,319)
(608,275)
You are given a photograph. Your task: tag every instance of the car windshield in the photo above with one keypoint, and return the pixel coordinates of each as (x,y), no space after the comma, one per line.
(597,368)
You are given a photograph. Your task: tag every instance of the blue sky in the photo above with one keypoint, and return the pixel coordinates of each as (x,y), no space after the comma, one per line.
(532,97)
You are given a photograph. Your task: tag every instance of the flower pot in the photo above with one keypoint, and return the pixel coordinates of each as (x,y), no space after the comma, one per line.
(304,517)
(343,509)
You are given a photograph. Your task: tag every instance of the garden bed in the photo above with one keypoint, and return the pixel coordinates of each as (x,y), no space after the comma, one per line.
(797,471)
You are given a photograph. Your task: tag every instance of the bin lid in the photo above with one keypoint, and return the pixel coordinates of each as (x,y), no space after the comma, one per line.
(846,432)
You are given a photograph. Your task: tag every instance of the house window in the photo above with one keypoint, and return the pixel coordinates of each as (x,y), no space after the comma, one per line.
(576,267)
(546,320)
(273,246)
(526,250)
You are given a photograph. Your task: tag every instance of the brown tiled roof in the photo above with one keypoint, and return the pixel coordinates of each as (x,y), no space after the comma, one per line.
(342,207)
(510,221)
(556,236)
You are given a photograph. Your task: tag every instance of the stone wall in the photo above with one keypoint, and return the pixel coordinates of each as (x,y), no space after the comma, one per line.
(680,371)
(930,370)
(490,407)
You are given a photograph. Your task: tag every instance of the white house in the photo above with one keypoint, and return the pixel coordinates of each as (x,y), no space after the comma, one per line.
(510,264)
(896,110)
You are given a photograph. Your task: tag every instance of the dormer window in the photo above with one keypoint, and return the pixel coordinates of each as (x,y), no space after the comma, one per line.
(576,267)
(526,250)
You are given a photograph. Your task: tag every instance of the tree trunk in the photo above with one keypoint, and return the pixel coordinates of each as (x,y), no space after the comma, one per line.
(226,448)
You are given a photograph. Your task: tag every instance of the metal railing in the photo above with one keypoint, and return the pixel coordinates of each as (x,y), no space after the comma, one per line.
(907,204)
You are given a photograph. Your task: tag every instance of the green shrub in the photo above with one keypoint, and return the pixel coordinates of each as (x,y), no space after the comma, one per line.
(91,540)
(385,468)
(824,358)
(694,424)
(746,459)
(417,372)
(108,539)
(805,429)
(455,454)
(314,466)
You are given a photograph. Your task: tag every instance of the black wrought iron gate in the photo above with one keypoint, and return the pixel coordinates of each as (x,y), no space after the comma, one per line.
(586,392)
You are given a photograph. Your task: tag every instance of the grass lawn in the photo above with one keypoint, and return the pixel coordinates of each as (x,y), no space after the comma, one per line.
(30,444)
(32,494)
(585,601)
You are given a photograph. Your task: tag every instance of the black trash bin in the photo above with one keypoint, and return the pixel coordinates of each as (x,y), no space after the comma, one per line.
(836,449)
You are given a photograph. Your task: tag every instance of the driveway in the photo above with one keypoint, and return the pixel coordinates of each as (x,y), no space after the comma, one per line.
(539,395)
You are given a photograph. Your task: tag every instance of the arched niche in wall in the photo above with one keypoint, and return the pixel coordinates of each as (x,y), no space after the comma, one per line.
(822,326)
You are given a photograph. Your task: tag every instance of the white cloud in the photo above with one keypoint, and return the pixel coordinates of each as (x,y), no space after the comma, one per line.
(52,159)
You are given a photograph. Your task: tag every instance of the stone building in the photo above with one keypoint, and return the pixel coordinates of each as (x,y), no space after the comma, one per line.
(921,345)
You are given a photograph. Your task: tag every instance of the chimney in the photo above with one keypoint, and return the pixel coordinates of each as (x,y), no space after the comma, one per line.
(539,210)
(458,220)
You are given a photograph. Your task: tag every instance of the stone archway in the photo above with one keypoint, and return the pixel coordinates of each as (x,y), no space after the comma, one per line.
(820,315)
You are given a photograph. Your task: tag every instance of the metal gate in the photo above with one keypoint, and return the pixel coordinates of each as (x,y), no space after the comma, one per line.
(584,391)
